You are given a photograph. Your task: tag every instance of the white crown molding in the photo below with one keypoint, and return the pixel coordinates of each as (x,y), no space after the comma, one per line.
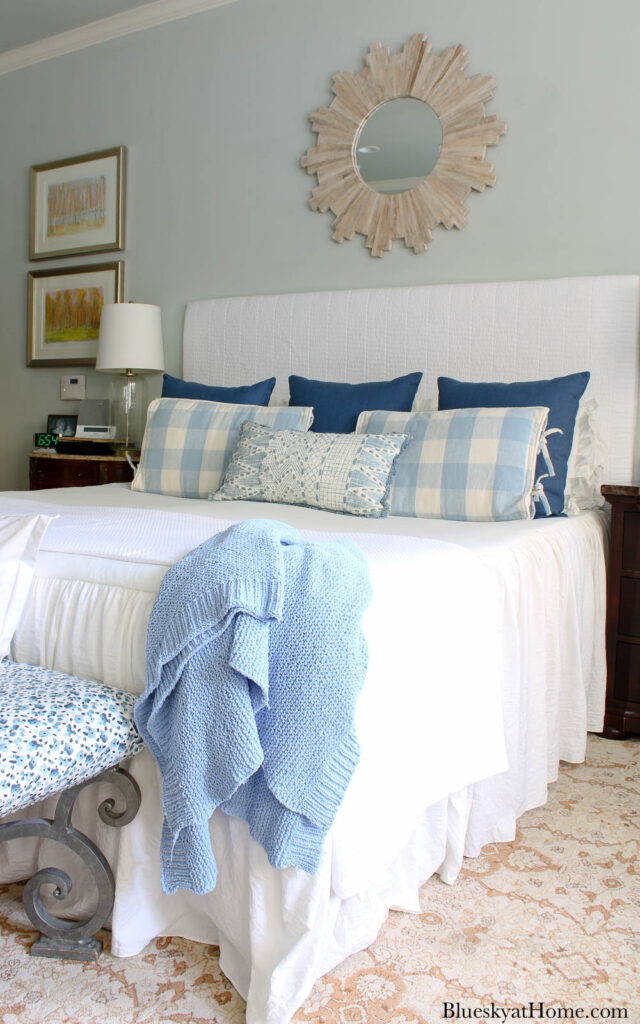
(136,20)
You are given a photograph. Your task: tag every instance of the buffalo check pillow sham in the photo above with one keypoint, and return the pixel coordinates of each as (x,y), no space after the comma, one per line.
(561,395)
(187,443)
(468,464)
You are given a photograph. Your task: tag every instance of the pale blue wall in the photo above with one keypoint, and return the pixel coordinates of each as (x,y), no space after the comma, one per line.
(213,110)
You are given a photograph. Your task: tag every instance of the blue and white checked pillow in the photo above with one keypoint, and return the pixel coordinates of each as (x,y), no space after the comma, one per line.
(338,472)
(188,442)
(469,464)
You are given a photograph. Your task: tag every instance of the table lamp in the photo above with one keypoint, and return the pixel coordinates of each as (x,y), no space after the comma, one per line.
(129,344)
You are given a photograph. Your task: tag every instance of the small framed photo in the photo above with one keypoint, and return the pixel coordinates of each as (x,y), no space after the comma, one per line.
(77,205)
(61,424)
(64,306)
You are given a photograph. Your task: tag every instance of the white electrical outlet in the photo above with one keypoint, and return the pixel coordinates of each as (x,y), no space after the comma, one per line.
(72,388)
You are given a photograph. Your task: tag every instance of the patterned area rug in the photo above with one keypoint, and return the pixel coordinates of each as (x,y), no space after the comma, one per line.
(552,918)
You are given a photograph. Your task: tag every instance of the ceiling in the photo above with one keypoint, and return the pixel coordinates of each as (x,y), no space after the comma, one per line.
(27,21)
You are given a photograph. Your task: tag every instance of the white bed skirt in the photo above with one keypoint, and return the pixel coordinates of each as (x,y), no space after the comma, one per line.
(278,931)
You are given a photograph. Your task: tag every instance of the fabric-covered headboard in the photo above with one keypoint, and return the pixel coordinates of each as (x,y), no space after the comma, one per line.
(505,331)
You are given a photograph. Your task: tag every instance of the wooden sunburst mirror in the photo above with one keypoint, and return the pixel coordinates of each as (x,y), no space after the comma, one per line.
(412,214)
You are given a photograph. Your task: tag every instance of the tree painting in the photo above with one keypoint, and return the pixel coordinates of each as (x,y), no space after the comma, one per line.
(72,314)
(74,206)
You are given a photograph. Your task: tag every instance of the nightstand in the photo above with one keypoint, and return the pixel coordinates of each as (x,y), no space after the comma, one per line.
(50,469)
(622,712)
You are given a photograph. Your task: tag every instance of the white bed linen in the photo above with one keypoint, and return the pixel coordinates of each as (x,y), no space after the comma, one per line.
(279,931)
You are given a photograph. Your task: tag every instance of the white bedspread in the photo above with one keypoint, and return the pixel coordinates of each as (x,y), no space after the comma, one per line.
(463,615)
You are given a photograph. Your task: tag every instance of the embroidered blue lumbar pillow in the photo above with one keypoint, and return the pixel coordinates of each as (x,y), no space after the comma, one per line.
(561,395)
(249,394)
(336,406)
(338,472)
(469,464)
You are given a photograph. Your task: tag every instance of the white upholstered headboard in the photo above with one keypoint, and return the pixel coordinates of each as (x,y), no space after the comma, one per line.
(500,331)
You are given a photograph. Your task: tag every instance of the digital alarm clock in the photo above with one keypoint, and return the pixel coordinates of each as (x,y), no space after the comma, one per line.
(43,440)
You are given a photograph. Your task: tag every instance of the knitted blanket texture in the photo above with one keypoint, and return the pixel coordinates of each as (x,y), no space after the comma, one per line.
(255,658)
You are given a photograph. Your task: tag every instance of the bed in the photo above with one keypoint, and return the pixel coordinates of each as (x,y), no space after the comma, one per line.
(486,640)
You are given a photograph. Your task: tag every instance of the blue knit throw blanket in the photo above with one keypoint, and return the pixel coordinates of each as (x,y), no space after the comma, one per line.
(255,658)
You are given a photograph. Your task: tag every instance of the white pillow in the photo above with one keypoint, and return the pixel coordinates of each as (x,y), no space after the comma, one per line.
(20,538)
(586,460)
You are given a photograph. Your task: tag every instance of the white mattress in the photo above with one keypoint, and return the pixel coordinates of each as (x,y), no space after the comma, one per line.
(512,611)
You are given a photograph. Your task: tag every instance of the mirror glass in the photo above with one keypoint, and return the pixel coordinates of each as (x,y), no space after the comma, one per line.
(399,145)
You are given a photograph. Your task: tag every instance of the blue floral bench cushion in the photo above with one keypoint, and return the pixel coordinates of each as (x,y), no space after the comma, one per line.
(57,730)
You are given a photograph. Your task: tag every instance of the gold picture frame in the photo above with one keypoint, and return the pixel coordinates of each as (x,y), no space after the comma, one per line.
(78,205)
(458,100)
(64,307)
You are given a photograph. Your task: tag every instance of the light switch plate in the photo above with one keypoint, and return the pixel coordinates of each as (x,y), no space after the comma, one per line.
(72,388)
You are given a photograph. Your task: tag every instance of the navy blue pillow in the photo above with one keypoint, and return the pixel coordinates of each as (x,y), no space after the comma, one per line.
(250,394)
(336,406)
(561,395)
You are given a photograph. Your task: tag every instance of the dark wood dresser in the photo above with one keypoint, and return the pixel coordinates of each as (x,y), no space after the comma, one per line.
(622,714)
(50,469)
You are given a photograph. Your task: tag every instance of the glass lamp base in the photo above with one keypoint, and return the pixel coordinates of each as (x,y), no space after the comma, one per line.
(128,400)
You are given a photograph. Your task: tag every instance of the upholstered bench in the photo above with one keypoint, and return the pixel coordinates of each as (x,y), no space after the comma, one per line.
(59,734)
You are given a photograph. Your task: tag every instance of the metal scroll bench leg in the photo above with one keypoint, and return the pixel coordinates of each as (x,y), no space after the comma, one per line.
(73,940)
(59,734)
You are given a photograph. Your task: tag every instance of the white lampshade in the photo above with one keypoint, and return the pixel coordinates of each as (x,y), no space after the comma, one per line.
(130,338)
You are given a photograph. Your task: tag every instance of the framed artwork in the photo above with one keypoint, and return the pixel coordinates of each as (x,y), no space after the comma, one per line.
(64,309)
(77,205)
(61,424)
